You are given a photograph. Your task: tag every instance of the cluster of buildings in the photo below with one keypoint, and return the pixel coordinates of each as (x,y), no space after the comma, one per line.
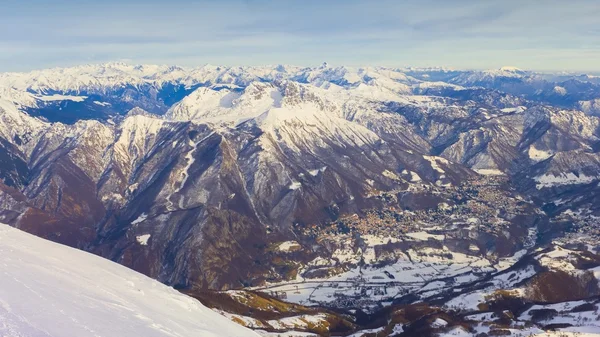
(477,204)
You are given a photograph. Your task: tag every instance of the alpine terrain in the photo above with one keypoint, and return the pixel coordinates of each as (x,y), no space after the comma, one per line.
(304,201)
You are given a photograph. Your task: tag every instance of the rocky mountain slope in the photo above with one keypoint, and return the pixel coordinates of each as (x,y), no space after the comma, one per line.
(308,182)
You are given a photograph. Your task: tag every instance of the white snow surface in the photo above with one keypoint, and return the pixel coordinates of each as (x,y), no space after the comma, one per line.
(288,246)
(143,239)
(47,289)
(62,98)
(570,178)
(538,155)
(435,163)
(489,172)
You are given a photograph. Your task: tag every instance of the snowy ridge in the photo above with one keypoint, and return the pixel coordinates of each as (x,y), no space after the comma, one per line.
(51,290)
(491,75)
(102,77)
(13,122)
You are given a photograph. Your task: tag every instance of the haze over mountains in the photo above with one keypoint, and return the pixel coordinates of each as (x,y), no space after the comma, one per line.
(360,190)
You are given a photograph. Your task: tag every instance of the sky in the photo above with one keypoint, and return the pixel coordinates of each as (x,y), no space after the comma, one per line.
(544,35)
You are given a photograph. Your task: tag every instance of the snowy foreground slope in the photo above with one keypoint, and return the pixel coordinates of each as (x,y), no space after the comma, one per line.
(47,289)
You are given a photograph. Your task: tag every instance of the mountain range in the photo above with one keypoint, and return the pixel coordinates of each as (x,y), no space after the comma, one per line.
(220,178)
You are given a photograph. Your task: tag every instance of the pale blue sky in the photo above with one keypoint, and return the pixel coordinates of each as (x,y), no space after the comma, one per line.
(531,34)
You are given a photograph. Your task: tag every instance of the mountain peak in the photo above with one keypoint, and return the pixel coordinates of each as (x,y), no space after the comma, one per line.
(511,69)
(139,111)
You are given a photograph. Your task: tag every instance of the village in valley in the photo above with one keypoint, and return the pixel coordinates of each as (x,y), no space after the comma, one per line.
(397,254)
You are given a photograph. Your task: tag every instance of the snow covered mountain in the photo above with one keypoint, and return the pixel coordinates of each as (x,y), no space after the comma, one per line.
(51,290)
(233,177)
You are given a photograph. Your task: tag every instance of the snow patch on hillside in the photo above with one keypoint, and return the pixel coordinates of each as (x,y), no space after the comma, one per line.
(289,246)
(549,180)
(143,239)
(538,155)
(62,98)
(434,161)
(489,172)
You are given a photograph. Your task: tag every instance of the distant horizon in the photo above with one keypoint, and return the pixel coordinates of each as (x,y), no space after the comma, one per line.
(314,66)
(545,36)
